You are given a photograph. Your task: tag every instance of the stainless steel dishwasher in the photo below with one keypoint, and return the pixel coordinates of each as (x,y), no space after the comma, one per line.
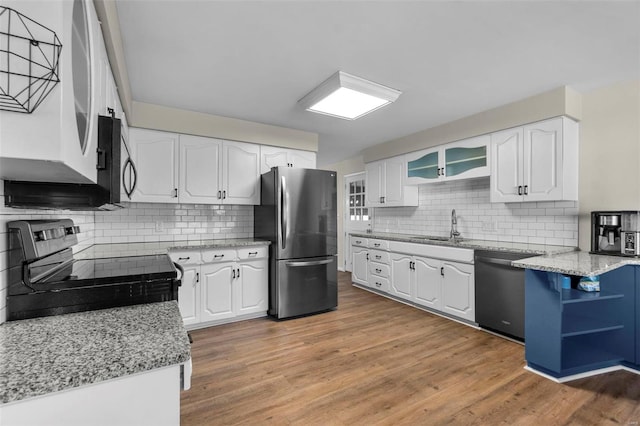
(500,292)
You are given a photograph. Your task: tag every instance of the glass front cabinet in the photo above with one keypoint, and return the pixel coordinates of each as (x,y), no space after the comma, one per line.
(468,158)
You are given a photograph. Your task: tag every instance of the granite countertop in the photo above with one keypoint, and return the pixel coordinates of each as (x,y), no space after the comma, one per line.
(576,263)
(54,353)
(533,249)
(98,251)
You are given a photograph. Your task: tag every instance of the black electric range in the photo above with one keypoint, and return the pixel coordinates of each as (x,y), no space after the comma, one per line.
(46,279)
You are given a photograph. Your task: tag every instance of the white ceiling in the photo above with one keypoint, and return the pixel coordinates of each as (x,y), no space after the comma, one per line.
(254,60)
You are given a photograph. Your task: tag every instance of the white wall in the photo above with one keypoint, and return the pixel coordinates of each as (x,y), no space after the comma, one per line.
(554,223)
(609,152)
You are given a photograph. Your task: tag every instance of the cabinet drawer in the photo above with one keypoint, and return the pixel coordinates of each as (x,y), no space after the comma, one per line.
(359,241)
(211,256)
(454,254)
(186,257)
(379,269)
(379,283)
(379,256)
(379,244)
(249,253)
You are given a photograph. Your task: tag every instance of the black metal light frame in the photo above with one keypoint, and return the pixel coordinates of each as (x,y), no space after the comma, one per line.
(29,61)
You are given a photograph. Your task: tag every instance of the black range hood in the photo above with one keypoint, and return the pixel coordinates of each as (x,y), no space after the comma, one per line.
(105,195)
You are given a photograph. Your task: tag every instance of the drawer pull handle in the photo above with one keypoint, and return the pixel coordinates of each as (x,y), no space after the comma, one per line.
(378,270)
(253,253)
(378,257)
(215,256)
(184,258)
(376,245)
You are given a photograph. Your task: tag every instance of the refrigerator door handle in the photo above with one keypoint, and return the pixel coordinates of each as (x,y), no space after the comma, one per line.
(310,263)
(284,211)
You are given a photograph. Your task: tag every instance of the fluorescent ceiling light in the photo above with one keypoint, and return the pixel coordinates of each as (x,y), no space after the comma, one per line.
(346,96)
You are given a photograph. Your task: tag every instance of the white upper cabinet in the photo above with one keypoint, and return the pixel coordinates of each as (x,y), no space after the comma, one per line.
(155,155)
(272,156)
(240,173)
(537,162)
(200,175)
(175,168)
(386,184)
(57,141)
(464,159)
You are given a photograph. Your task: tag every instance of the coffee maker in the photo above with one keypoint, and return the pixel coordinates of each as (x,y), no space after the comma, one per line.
(630,233)
(615,233)
(605,232)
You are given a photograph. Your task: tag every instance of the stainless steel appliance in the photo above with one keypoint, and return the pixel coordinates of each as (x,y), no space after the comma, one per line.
(630,233)
(103,195)
(45,278)
(298,215)
(615,232)
(500,292)
(605,232)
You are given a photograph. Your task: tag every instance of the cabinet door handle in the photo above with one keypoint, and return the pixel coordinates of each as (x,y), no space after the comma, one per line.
(197,277)
(219,195)
(133,176)
(519,189)
(238,275)
(175,192)
(233,276)
(442,271)
(224,195)
(367,256)
(383,200)
(526,190)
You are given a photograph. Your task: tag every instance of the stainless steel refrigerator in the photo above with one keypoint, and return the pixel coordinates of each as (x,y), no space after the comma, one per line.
(298,215)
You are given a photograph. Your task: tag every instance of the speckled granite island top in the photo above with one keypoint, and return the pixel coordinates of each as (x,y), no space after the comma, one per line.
(576,263)
(162,247)
(49,354)
(533,249)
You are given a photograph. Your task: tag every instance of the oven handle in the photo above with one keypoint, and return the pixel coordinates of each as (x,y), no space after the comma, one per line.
(181,269)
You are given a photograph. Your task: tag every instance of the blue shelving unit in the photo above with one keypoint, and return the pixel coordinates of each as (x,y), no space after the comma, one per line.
(568,331)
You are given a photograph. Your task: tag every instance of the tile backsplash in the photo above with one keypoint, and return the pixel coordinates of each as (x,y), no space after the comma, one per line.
(554,223)
(144,222)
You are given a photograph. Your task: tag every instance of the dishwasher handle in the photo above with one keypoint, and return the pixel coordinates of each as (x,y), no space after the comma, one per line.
(494,260)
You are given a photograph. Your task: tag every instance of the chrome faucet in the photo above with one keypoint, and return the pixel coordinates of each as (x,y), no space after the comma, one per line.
(454,226)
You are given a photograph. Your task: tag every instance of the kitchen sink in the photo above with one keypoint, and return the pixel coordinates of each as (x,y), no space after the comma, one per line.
(430,238)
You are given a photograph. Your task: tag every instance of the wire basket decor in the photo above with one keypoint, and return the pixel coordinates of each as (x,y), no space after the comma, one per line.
(29,61)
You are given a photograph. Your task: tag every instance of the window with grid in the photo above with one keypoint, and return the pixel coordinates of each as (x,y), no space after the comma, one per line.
(358,210)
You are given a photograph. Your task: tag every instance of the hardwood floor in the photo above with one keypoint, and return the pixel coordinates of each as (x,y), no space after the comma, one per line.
(376,361)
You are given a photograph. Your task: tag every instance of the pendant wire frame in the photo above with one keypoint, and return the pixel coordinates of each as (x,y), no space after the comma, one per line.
(29,61)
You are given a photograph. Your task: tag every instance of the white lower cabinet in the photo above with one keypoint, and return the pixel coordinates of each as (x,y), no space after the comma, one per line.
(360,265)
(401,276)
(188,299)
(223,285)
(435,277)
(217,291)
(458,290)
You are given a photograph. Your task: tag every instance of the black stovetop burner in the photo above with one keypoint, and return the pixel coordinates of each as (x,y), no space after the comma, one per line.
(45,278)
